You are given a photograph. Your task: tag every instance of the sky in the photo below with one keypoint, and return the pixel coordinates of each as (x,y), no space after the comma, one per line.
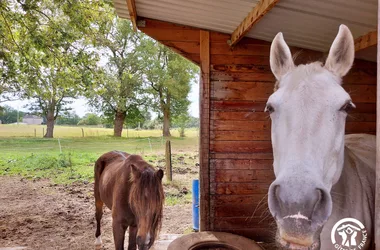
(81,108)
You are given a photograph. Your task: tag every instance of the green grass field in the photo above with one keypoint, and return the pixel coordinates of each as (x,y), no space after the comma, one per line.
(21,130)
(70,158)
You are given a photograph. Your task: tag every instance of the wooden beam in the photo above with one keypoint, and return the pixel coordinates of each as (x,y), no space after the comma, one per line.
(366,41)
(132,13)
(204,145)
(377,189)
(253,17)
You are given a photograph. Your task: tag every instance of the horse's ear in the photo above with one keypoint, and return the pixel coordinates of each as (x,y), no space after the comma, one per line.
(342,52)
(281,60)
(160,174)
(135,171)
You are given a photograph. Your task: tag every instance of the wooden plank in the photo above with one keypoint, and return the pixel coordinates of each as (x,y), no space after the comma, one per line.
(240,164)
(242,222)
(132,13)
(231,175)
(241,147)
(238,106)
(187,47)
(263,116)
(217,37)
(241,125)
(162,35)
(377,193)
(241,135)
(256,156)
(244,49)
(251,91)
(264,234)
(238,200)
(239,116)
(204,148)
(248,68)
(239,188)
(365,76)
(252,18)
(242,76)
(247,210)
(239,59)
(360,127)
(260,91)
(365,41)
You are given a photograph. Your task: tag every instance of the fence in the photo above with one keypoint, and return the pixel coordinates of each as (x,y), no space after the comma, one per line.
(65,131)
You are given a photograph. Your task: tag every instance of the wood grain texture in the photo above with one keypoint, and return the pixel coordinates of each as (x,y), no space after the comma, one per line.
(204,148)
(377,194)
(365,41)
(253,17)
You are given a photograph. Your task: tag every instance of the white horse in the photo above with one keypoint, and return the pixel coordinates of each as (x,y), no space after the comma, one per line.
(322,176)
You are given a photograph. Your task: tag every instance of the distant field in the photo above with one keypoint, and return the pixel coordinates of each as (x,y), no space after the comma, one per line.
(21,130)
(70,158)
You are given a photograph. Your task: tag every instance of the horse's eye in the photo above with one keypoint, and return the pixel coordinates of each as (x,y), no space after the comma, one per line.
(347,107)
(269,108)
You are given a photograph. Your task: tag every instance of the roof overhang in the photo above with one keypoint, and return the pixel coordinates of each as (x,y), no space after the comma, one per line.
(305,24)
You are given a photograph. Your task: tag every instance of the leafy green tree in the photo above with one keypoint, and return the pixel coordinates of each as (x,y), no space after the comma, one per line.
(181,121)
(46,53)
(119,92)
(90,119)
(9,115)
(68,118)
(168,77)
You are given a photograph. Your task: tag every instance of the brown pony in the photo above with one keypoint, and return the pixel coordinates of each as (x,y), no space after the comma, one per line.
(132,189)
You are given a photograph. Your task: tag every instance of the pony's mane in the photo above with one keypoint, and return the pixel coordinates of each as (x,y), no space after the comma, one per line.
(147,196)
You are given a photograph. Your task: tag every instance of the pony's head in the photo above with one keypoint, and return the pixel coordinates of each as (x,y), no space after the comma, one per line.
(146,200)
(308,112)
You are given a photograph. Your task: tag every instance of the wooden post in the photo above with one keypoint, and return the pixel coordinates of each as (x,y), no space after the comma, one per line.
(82,132)
(204,141)
(377,194)
(35,132)
(168,158)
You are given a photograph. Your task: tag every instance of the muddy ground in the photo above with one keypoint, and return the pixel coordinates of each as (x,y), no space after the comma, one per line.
(42,215)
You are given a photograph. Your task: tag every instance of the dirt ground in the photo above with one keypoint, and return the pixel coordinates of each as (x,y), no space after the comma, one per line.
(41,215)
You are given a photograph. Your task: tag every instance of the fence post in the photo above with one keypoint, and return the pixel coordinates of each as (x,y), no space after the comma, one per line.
(150,144)
(60,148)
(168,158)
(35,132)
(82,132)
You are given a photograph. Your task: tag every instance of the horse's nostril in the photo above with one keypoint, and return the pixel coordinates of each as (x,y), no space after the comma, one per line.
(322,207)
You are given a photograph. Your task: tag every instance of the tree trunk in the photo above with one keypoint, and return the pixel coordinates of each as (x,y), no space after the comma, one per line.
(49,123)
(166,127)
(118,123)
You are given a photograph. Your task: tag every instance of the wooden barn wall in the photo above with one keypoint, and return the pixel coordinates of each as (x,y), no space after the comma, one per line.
(236,155)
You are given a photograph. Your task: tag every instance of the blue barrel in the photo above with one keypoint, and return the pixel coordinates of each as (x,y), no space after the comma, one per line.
(196,205)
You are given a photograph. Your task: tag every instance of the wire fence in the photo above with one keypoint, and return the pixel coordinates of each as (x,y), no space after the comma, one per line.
(38,131)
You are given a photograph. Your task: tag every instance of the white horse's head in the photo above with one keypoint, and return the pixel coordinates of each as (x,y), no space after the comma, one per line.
(308,113)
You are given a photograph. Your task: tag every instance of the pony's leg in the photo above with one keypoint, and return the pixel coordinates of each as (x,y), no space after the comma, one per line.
(132,238)
(98,216)
(118,234)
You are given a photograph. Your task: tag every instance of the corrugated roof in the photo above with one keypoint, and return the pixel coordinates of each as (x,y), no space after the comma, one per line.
(310,24)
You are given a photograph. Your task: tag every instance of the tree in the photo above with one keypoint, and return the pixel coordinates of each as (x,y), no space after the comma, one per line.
(90,119)
(118,92)
(168,77)
(181,121)
(51,61)
(68,118)
(9,115)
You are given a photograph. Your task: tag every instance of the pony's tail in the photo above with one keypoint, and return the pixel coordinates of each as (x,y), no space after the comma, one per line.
(98,169)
